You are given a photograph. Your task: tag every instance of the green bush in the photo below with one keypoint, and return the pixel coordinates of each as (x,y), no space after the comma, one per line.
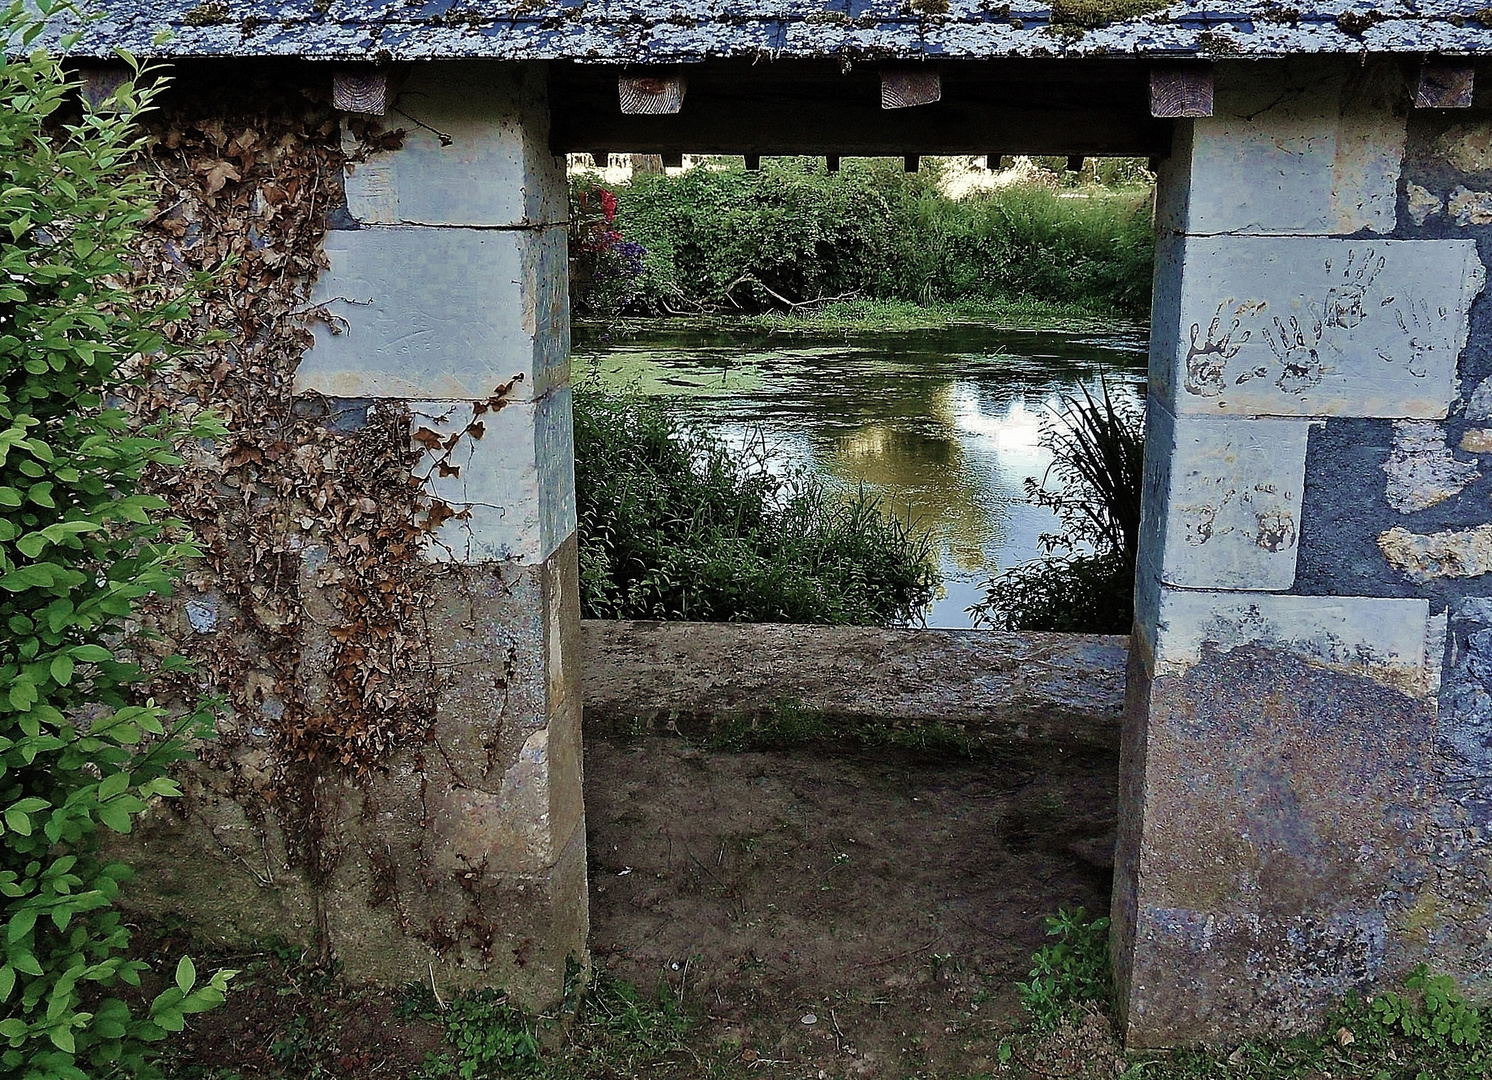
(793,232)
(80,548)
(675,524)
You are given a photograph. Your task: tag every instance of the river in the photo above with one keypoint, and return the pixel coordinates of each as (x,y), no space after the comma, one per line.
(943,424)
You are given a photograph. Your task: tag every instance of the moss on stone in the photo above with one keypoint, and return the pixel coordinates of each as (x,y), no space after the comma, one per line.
(1089,14)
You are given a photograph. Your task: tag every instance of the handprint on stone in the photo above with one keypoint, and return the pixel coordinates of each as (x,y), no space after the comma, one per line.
(1424,330)
(1206,359)
(1345,302)
(1297,347)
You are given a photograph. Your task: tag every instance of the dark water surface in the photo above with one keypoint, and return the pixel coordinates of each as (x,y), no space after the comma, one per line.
(943,424)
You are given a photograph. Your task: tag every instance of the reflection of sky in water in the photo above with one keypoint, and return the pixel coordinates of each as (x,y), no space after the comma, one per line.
(944,425)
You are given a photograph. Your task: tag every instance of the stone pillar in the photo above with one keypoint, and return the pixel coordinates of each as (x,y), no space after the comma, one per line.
(446,297)
(1278,777)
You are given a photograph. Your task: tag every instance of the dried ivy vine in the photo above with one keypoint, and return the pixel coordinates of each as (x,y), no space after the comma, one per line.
(309,511)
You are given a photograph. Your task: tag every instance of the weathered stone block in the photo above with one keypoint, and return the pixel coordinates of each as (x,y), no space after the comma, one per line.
(440,313)
(1390,640)
(1277,763)
(475,152)
(1449,553)
(460,859)
(1222,499)
(1308,326)
(1290,149)
(1422,470)
(513,486)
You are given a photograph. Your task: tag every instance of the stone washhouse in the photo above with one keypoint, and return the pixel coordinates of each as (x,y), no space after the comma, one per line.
(1306,794)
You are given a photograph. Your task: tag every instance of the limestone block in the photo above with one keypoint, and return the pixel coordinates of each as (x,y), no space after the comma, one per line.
(1467,148)
(1316,326)
(510,477)
(1390,640)
(475,152)
(1422,471)
(1467,207)
(1289,150)
(1453,553)
(427,313)
(1422,203)
(1223,508)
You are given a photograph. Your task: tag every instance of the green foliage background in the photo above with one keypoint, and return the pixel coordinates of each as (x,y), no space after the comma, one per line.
(722,238)
(80,549)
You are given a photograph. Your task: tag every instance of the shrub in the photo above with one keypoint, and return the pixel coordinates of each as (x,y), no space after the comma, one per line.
(793,232)
(676,524)
(80,548)
(1086,585)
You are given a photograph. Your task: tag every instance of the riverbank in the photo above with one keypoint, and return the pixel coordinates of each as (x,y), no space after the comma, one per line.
(850,317)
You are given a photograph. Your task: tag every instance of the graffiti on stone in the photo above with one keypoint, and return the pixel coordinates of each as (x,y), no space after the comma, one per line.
(1320,326)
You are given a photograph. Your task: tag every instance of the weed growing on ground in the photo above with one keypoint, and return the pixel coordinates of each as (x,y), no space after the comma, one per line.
(1071,971)
(613,1030)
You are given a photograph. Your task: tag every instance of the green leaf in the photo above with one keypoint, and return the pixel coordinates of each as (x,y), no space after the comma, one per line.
(112,785)
(186,974)
(115,817)
(62,669)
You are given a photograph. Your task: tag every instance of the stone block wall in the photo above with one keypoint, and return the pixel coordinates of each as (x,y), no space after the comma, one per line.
(1300,809)
(401,787)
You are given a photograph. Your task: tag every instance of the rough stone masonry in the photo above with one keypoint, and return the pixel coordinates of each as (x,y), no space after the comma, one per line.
(1305,775)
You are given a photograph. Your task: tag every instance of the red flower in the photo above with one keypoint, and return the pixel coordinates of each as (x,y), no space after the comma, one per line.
(608,206)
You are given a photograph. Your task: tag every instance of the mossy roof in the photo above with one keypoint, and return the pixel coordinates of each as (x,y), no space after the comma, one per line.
(669,31)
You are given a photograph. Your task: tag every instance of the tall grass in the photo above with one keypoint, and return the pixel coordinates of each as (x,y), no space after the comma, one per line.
(1086,584)
(676,524)
(793,232)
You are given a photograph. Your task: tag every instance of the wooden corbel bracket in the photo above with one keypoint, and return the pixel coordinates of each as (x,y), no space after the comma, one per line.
(363,90)
(1444,84)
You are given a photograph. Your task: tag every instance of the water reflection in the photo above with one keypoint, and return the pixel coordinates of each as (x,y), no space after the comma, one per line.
(944,424)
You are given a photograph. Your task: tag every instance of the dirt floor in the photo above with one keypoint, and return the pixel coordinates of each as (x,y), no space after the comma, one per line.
(831,848)
(865,912)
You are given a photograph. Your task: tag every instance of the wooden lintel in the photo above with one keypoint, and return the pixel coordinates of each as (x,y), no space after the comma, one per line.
(97,83)
(905,87)
(653,94)
(362,90)
(911,162)
(1444,84)
(753,162)
(1180,90)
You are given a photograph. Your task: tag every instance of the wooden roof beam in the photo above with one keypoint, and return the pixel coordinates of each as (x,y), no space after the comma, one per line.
(1180,90)
(906,87)
(362,90)
(659,93)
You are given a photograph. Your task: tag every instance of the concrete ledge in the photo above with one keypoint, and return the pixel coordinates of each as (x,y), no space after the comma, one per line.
(1066,686)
